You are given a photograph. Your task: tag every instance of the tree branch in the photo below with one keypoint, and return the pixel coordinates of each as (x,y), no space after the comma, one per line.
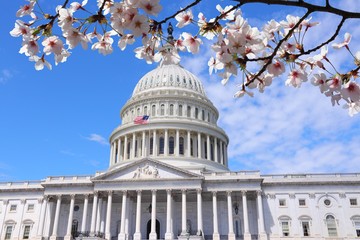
(181,10)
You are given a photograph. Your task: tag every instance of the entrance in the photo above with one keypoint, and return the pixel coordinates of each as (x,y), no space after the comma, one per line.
(157,229)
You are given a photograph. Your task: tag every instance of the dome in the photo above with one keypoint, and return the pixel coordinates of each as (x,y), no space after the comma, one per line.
(171,76)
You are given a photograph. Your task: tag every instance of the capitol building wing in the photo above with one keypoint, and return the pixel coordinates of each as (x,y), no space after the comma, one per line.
(168,178)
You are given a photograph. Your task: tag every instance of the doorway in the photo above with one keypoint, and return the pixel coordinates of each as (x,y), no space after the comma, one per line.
(157,229)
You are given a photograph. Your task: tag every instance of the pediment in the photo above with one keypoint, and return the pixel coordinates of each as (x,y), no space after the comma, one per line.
(145,169)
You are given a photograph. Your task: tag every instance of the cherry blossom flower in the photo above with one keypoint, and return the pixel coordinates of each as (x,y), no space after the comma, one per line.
(20,29)
(27,9)
(52,45)
(104,45)
(334,83)
(319,79)
(59,58)
(296,77)
(271,28)
(125,40)
(290,23)
(76,6)
(277,68)
(139,25)
(184,18)
(74,37)
(40,62)
(354,108)
(192,43)
(107,5)
(151,7)
(242,92)
(351,90)
(347,38)
(230,15)
(214,64)
(30,47)
(65,18)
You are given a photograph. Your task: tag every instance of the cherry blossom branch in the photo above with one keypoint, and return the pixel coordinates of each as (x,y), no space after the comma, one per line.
(314,8)
(271,57)
(196,2)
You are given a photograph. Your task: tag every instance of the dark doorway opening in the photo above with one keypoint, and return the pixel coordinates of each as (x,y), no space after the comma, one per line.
(157,229)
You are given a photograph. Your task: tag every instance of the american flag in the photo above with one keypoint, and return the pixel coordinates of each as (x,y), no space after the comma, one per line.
(141,119)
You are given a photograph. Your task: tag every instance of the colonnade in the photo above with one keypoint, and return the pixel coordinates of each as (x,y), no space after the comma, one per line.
(97,209)
(168,142)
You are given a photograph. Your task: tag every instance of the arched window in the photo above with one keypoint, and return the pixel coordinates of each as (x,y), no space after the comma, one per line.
(356,222)
(285,225)
(162,110)
(331,226)
(171,145)
(151,145)
(161,145)
(180,110)
(145,110)
(188,112)
(171,109)
(153,110)
(203,115)
(181,146)
(305,225)
(196,113)
(191,147)
(74,228)
(138,111)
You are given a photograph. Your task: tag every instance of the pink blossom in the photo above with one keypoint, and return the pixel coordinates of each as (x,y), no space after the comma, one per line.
(74,37)
(139,25)
(125,40)
(20,29)
(290,23)
(320,80)
(334,83)
(354,108)
(271,28)
(296,77)
(59,58)
(30,47)
(65,18)
(40,62)
(230,15)
(184,18)
(104,45)
(26,9)
(277,68)
(351,90)
(214,64)
(151,7)
(192,43)
(242,92)
(52,45)
(347,38)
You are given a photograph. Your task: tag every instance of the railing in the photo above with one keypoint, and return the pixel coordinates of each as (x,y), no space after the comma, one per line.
(88,234)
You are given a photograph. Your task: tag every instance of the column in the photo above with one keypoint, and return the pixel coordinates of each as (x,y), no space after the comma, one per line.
(168,234)
(231,235)
(93,215)
(119,150)
(153,235)
(84,217)
(247,235)
(70,219)
(125,147)
(262,233)
(188,144)
(122,235)
(143,145)
(183,212)
(154,143)
(133,146)
(199,213)
(98,215)
(221,153)
(166,143)
(42,217)
(177,145)
(216,235)
(216,157)
(208,150)
(199,145)
(111,154)
(56,218)
(137,234)
(108,216)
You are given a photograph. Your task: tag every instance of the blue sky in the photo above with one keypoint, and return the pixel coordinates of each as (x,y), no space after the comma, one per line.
(58,122)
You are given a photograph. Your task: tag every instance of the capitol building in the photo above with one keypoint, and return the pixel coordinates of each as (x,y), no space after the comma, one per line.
(168,178)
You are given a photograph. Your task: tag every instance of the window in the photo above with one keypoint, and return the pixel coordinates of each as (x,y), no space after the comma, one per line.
(74,228)
(145,110)
(128,151)
(353,201)
(205,149)
(203,115)
(196,113)
(191,147)
(162,109)
(181,146)
(282,202)
(171,109)
(30,207)
(153,110)
(306,228)
(161,145)
(208,118)
(26,233)
(136,148)
(331,226)
(171,145)
(285,228)
(180,110)
(138,111)
(151,146)
(188,113)
(327,202)
(302,202)
(356,222)
(13,207)
(8,232)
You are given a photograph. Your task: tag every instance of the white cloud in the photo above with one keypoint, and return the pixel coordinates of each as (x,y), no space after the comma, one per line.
(5,75)
(286,130)
(97,138)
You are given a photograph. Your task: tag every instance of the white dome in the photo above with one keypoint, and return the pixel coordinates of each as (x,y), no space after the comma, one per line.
(169,77)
